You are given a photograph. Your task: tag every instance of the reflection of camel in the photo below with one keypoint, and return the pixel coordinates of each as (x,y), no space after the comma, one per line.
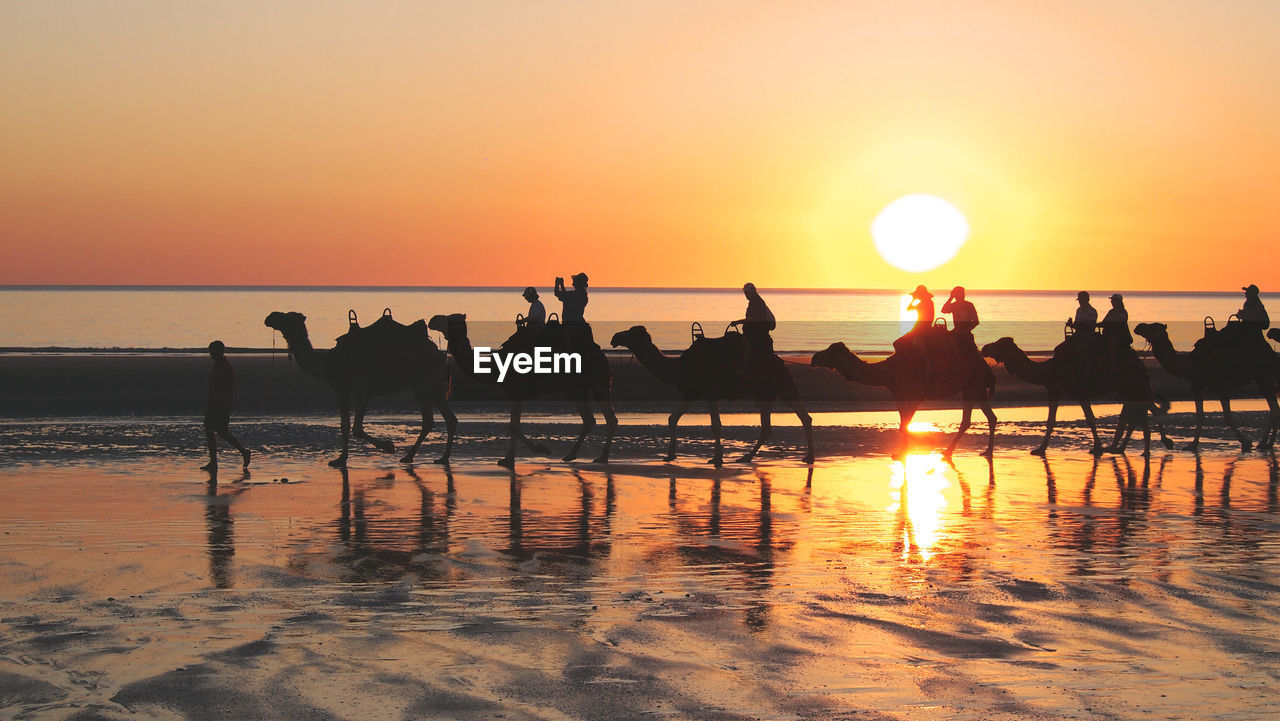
(910,385)
(1209,369)
(701,372)
(593,381)
(1062,377)
(374,364)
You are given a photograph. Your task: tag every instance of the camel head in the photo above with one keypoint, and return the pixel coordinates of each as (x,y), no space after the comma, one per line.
(1000,349)
(827,357)
(291,323)
(1152,331)
(630,338)
(452,326)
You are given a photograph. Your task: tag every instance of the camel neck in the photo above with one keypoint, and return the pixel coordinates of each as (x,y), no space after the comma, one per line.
(1177,364)
(309,359)
(853,368)
(1020,364)
(664,367)
(460,349)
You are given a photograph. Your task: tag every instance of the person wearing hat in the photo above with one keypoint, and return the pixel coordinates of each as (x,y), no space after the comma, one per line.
(1253,312)
(536,319)
(1086,316)
(922,304)
(217,408)
(756,324)
(1115,325)
(573,309)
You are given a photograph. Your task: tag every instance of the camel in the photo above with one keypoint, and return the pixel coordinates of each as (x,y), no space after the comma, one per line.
(1209,369)
(384,358)
(910,385)
(593,381)
(703,371)
(1062,377)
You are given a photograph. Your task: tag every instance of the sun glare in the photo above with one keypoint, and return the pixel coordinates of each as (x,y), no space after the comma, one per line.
(919,232)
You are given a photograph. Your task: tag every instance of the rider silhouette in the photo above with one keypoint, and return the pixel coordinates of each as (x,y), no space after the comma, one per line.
(573,309)
(756,325)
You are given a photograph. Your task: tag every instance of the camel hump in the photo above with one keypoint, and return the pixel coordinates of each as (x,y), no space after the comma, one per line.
(385,332)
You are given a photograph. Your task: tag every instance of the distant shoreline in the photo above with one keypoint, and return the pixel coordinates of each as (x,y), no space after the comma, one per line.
(630,289)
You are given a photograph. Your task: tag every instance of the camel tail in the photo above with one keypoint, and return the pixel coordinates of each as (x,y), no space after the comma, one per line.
(991,382)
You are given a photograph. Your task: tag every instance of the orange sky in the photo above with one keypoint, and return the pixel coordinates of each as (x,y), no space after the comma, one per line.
(1127,145)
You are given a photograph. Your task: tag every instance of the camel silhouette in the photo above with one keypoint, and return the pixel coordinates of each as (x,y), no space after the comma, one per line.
(384,358)
(1063,377)
(911,385)
(593,382)
(706,370)
(1210,367)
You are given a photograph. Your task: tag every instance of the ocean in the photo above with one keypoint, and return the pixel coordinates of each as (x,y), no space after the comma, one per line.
(160,319)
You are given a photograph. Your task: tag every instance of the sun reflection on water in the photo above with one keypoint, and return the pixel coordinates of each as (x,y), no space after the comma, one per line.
(917,500)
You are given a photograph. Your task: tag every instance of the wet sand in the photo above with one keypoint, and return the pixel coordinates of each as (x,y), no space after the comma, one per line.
(50,385)
(134,586)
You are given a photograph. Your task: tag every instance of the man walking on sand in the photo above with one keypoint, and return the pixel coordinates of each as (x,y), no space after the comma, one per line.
(217,409)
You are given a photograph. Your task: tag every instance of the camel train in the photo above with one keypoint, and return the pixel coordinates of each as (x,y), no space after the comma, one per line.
(388,357)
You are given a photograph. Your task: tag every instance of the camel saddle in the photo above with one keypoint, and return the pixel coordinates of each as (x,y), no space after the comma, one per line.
(944,353)
(551,335)
(1237,347)
(384,334)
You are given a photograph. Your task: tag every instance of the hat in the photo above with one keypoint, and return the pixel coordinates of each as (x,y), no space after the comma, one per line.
(1116,296)
(530,291)
(575,278)
(1082,295)
(921,292)
(1250,289)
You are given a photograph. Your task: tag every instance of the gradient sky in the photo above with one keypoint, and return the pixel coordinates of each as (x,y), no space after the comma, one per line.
(1103,145)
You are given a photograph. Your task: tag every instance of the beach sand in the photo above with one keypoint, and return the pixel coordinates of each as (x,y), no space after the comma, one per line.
(134,586)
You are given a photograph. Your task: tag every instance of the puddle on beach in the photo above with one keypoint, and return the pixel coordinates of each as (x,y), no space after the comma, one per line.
(1068,587)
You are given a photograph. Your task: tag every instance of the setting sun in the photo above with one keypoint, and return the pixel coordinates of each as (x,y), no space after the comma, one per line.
(919,232)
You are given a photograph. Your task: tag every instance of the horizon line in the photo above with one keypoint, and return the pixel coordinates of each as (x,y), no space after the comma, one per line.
(641,288)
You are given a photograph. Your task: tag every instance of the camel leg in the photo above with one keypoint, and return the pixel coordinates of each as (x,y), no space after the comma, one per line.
(450,425)
(906,411)
(1048,428)
(344,412)
(1093,426)
(966,415)
(610,424)
(1195,442)
(714,408)
(985,405)
(1273,418)
(673,421)
(1245,444)
(428,421)
(362,404)
(588,422)
(766,429)
(806,421)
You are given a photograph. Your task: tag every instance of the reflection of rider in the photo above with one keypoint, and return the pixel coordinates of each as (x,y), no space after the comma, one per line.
(573,309)
(756,324)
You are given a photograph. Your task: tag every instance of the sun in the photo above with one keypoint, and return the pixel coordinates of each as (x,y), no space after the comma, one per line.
(919,232)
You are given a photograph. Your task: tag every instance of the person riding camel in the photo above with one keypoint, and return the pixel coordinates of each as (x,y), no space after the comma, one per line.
(922,304)
(1253,317)
(1086,317)
(1115,331)
(573,309)
(756,324)
(536,319)
(964,318)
